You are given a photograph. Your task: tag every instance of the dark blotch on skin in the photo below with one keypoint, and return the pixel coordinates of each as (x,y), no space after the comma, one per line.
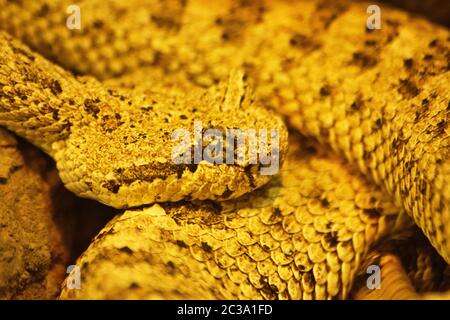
(408,89)
(251,179)
(206,247)
(126,250)
(227,193)
(408,63)
(112,186)
(373,212)
(325,203)
(55,115)
(269,290)
(364,60)
(309,278)
(325,91)
(149,108)
(91,106)
(422,186)
(171,268)
(303,42)
(55,87)
(357,104)
(226,36)
(98,24)
(378,124)
(134,286)
(433,43)
(329,11)
(43,11)
(441,126)
(182,167)
(331,239)
(165,22)
(181,244)
(277,212)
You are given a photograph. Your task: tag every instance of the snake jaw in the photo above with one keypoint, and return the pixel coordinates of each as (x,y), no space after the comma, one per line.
(173,183)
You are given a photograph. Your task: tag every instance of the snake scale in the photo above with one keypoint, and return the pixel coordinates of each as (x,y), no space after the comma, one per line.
(378,99)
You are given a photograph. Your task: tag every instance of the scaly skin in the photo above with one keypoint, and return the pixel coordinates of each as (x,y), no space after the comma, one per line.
(379,98)
(315,82)
(303,236)
(115,146)
(420,264)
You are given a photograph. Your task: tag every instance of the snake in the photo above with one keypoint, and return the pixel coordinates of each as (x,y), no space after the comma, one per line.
(376,99)
(41,103)
(305,235)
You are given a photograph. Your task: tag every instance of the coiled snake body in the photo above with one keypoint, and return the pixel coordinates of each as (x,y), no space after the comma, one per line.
(377,98)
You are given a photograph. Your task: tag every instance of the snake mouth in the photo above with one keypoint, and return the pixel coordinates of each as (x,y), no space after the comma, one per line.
(139,185)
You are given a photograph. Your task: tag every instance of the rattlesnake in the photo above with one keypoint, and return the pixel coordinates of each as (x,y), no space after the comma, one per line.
(378,98)
(133,133)
(303,236)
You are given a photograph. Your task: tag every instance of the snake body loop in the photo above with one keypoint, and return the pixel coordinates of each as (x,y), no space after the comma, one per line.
(379,99)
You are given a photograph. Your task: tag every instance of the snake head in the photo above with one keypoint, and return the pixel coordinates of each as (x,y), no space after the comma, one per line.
(130,148)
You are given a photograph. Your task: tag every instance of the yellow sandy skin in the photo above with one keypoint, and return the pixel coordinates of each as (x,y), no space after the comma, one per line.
(303,236)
